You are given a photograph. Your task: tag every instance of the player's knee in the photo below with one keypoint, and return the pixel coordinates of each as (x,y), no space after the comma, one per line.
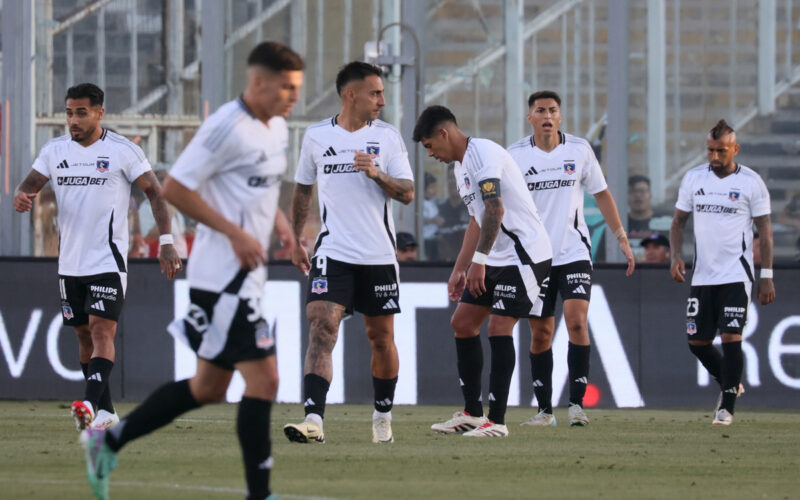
(463,327)
(322,333)
(381,342)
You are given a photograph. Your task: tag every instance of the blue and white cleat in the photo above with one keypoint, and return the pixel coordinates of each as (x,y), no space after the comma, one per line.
(100,461)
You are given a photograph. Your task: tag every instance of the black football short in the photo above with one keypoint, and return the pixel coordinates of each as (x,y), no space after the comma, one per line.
(224,328)
(372,290)
(100,295)
(572,281)
(716,307)
(514,291)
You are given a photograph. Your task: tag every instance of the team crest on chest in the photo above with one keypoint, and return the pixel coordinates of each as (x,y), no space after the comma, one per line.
(373,150)
(734,195)
(569,167)
(102,165)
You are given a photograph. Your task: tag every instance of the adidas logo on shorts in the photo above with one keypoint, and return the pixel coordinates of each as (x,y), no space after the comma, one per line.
(734,323)
(390,304)
(499,305)
(580,290)
(99,306)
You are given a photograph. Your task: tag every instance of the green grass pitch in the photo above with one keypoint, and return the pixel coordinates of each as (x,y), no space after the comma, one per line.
(621,454)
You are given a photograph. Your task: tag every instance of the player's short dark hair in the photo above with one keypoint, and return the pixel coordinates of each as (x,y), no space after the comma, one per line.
(720,129)
(276,57)
(636,179)
(544,94)
(430,119)
(356,70)
(90,90)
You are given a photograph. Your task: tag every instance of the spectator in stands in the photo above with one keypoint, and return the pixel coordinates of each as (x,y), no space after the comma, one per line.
(656,249)
(455,219)
(406,247)
(432,220)
(643,219)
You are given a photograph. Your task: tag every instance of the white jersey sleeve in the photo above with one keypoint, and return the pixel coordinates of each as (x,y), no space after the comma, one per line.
(398,166)
(760,201)
(40,164)
(306,167)
(684,202)
(136,162)
(206,153)
(592,178)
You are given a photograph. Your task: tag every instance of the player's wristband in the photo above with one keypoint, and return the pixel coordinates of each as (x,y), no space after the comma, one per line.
(479,258)
(766,274)
(620,233)
(165,239)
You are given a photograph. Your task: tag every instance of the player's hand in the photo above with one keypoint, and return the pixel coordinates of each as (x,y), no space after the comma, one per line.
(363,163)
(766,291)
(23,202)
(300,259)
(678,270)
(476,277)
(248,250)
(170,261)
(456,285)
(625,247)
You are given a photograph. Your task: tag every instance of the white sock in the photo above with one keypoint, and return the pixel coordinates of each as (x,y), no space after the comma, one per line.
(380,414)
(315,419)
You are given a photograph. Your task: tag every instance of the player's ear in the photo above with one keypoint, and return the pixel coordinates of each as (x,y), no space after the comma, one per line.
(444,134)
(530,116)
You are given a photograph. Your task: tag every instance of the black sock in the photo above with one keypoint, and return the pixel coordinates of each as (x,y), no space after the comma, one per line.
(578,366)
(710,358)
(105,399)
(470,366)
(732,364)
(159,409)
(315,391)
(252,427)
(98,372)
(542,374)
(384,393)
(85,370)
(503,361)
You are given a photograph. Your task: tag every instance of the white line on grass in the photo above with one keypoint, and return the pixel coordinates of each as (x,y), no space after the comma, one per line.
(168,486)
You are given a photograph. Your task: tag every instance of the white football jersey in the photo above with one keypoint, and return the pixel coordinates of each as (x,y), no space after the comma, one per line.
(556,181)
(522,238)
(723,222)
(357,223)
(93,189)
(236,163)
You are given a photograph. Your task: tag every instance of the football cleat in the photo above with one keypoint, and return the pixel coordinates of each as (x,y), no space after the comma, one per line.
(83,414)
(460,423)
(104,420)
(719,398)
(382,430)
(722,417)
(577,417)
(488,429)
(100,461)
(304,432)
(541,419)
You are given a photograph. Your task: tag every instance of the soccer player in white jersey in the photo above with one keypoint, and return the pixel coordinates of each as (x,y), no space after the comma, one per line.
(228,179)
(557,168)
(508,254)
(725,198)
(359,164)
(92,170)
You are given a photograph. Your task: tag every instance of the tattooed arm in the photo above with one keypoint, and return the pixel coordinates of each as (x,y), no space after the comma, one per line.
(301,204)
(766,287)
(677,267)
(490,228)
(401,190)
(27,191)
